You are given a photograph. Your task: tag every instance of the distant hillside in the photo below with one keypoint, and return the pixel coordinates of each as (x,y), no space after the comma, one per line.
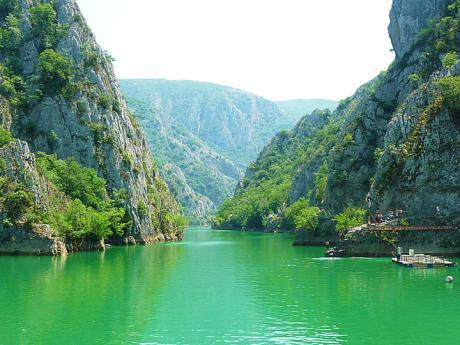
(297,108)
(235,123)
(204,135)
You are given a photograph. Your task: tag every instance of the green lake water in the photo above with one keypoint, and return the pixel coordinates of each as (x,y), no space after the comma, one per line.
(220,287)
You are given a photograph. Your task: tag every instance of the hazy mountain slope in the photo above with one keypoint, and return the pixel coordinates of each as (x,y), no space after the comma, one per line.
(203,134)
(196,174)
(235,123)
(297,108)
(60,96)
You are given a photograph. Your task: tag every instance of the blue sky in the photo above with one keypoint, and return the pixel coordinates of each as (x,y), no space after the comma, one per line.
(279,49)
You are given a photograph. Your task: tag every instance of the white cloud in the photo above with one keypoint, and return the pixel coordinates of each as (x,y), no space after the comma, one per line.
(279,49)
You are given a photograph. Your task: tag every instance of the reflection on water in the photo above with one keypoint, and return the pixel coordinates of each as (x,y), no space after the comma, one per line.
(223,287)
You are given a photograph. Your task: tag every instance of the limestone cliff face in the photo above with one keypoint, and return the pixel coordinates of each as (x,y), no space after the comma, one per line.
(89,120)
(400,139)
(396,141)
(409,17)
(419,166)
(24,238)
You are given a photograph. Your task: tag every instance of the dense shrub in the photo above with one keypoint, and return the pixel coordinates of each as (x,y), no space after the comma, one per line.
(321,178)
(104,101)
(12,86)
(2,166)
(80,221)
(90,213)
(264,192)
(350,218)
(45,25)
(142,209)
(450,90)
(74,180)
(176,222)
(450,59)
(10,35)
(5,137)
(8,6)
(16,203)
(301,216)
(56,70)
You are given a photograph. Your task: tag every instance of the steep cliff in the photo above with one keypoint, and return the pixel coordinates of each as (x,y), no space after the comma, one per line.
(408,18)
(398,145)
(63,98)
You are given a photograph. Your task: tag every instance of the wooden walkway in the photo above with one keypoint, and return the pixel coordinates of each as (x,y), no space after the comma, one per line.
(411,228)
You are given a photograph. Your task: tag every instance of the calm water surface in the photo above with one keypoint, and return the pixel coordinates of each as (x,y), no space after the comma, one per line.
(224,287)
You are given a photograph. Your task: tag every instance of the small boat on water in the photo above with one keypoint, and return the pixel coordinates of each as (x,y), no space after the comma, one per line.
(421,261)
(334,252)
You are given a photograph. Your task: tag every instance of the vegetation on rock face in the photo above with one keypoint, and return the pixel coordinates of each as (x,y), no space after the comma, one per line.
(301,216)
(45,25)
(177,222)
(90,213)
(5,137)
(65,102)
(56,70)
(350,218)
(78,206)
(204,134)
(393,141)
(450,90)
(263,196)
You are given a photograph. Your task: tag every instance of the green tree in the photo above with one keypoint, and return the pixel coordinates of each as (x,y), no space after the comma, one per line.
(8,6)
(350,218)
(450,90)
(17,202)
(56,70)
(142,209)
(450,59)
(301,216)
(91,213)
(45,25)
(307,219)
(5,137)
(12,86)
(321,178)
(176,222)
(10,35)
(74,180)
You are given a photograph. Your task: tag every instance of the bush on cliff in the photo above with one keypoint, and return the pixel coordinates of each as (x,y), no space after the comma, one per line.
(350,218)
(176,222)
(45,25)
(90,213)
(8,6)
(450,90)
(5,137)
(56,70)
(301,216)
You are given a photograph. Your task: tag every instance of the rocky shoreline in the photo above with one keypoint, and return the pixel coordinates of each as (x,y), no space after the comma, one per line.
(41,241)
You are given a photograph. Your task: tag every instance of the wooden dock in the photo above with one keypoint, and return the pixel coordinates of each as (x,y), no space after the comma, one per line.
(374,227)
(423,261)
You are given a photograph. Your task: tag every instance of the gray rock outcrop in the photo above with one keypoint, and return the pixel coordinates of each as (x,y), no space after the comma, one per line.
(409,17)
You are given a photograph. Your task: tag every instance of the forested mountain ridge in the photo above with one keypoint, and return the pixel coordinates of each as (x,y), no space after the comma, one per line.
(204,134)
(59,95)
(397,144)
(297,108)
